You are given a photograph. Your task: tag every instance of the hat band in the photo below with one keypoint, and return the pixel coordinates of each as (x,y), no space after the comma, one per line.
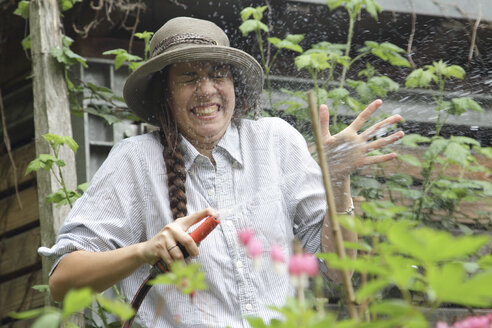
(179,39)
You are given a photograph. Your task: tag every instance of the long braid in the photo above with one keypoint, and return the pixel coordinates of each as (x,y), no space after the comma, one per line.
(173,158)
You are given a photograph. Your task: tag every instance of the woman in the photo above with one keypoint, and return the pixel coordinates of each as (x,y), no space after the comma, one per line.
(257,173)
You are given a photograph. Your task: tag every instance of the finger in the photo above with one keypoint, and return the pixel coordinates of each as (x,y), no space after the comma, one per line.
(184,238)
(379,127)
(324,120)
(365,115)
(187,221)
(370,160)
(382,142)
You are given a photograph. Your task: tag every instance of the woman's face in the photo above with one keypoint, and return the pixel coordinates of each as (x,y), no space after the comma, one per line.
(202,100)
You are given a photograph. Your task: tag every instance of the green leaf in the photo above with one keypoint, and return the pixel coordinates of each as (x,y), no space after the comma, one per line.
(455,71)
(29,314)
(435,148)
(290,42)
(413,140)
(338,94)
(22,9)
(333,4)
(431,246)
(48,320)
(361,264)
(381,209)
(456,153)
(42,288)
(252,26)
(462,105)
(373,8)
(370,289)
(314,61)
(465,140)
(486,151)
(410,159)
(456,288)
(26,43)
(83,187)
(120,309)
(76,300)
(354,104)
(420,79)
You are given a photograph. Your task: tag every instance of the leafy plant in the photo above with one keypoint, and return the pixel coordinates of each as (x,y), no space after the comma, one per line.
(54,164)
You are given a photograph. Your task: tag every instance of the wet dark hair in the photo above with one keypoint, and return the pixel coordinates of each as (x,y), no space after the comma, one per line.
(169,137)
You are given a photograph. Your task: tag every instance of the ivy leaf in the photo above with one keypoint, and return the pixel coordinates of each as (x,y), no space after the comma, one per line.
(122,56)
(26,43)
(22,9)
(120,309)
(76,300)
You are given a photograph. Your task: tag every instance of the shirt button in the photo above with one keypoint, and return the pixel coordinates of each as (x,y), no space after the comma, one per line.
(235,165)
(211,192)
(191,173)
(249,307)
(239,264)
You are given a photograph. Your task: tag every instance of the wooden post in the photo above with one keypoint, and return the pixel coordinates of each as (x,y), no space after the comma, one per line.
(51,114)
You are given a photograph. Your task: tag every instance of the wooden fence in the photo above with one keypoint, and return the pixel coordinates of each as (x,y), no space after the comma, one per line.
(20,266)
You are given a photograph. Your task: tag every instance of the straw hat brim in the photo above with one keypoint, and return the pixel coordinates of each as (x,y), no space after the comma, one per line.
(247,73)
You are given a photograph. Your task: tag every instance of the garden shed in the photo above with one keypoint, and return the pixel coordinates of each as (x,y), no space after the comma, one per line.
(458,32)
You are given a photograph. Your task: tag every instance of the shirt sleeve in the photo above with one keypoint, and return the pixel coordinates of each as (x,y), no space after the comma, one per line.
(109,215)
(303,187)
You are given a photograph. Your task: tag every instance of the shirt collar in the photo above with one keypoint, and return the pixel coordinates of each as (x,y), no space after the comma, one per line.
(229,142)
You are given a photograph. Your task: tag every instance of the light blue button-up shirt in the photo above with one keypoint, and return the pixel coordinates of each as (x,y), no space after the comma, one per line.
(264,179)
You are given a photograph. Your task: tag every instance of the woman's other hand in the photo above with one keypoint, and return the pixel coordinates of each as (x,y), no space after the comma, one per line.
(347,150)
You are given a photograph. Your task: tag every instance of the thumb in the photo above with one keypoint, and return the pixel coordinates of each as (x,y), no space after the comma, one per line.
(187,221)
(324,121)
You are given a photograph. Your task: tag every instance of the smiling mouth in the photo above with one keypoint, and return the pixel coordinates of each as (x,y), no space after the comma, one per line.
(206,110)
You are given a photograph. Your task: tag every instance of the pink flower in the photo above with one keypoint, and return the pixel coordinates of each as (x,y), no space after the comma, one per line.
(474,322)
(255,248)
(296,265)
(470,322)
(277,253)
(245,236)
(310,264)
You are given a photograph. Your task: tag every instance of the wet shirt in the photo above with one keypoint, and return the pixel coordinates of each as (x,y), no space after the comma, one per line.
(264,179)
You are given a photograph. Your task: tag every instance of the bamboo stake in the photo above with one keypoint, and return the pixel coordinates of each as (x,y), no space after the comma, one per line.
(337,233)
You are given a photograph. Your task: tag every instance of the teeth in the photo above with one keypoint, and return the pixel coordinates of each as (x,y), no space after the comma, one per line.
(203,111)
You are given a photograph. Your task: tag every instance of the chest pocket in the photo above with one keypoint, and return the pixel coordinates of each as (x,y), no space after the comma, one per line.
(267,215)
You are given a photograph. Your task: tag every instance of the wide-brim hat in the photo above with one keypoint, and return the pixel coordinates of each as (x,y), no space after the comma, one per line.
(185,39)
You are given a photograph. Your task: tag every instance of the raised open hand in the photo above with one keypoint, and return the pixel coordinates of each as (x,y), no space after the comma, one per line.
(347,150)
